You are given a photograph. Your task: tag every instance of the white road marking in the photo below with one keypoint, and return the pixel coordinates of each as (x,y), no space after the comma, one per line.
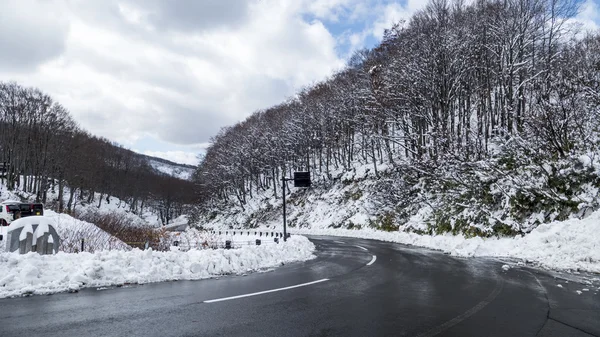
(372,260)
(339,242)
(265,292)
(363,248)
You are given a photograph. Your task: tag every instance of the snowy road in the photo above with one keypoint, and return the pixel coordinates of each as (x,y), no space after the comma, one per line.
(354,288)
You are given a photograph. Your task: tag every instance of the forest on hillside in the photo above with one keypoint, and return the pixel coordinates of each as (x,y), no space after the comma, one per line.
(485,113)
(44,150)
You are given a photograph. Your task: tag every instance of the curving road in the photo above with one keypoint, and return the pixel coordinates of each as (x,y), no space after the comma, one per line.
(354,288)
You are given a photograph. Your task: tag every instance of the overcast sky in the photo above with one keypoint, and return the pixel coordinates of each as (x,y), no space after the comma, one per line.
(161,77)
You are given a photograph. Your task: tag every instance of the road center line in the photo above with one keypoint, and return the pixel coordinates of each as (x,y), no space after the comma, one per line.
(265,292)
(372,260)
(363,248)
(339,242)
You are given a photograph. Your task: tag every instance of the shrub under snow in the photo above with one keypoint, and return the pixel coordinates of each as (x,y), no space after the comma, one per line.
(72,231)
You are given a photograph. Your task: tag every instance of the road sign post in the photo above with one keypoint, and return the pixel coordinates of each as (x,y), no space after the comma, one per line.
(301,179)
(283,180)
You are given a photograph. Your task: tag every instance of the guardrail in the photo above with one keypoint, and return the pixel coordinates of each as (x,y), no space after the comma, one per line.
(231,239)
(248,233)
(255,238)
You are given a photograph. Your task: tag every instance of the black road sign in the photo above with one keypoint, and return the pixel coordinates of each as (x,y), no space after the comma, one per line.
(301,179)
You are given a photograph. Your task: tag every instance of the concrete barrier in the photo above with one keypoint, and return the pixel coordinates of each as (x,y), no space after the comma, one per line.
(32,234)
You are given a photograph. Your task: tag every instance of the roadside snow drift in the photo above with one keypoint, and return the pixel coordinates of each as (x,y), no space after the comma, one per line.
(72,231)
(573,244)
(45,274)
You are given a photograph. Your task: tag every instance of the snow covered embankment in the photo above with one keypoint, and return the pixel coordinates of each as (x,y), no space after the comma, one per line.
(72,231)
(564,245)
(46,274)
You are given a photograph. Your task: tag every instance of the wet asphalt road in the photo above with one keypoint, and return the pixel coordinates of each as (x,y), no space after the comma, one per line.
(405,292)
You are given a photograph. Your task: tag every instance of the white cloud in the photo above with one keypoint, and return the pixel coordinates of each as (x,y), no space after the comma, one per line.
(129,69)
(589,16)
(330,10)
(132,68)
(383,16)
(30,33)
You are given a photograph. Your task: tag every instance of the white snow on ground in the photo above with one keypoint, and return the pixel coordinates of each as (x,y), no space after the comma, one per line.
(179,223)
(324,204)
(72,230)
(112,206)
(564,245)
(172,170)
(45,274)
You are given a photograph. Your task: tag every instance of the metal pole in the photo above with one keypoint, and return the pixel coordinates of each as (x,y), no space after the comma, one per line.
(284,224)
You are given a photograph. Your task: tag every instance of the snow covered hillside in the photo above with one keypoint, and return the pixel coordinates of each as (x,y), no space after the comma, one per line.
(45,274)
(495,198)
(398,145)
(164,166)
(72,231)
(352,206)
(108,205)
(348,202)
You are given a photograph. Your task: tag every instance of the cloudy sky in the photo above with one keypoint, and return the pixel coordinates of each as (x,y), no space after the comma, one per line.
(162,76)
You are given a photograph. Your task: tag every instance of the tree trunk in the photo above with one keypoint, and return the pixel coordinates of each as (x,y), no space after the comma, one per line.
(70,202)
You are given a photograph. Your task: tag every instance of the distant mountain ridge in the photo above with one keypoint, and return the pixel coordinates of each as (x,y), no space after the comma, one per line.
(164,166)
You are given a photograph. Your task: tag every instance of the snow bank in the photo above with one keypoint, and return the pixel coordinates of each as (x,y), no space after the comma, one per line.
(568,245)
(27,222)
(44,274)
(72,231)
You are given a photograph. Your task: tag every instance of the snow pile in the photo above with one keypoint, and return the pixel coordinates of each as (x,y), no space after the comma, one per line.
(192,238)
(568,245)
(44,274)
(72,231)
